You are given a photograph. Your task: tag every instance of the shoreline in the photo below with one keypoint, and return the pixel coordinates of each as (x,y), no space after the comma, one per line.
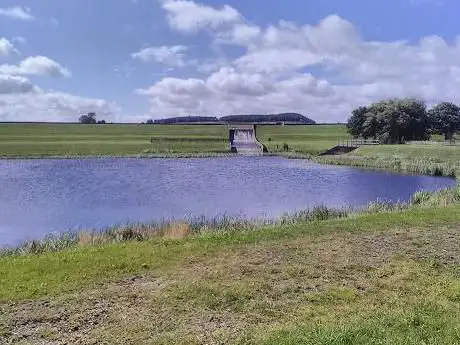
(369,163)
(179,229)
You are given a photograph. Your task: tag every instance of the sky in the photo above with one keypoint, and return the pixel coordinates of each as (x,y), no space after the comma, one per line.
(133,60)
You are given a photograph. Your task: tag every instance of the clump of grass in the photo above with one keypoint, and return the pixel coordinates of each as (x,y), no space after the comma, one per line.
(176,231)
(380,206)
(318,213)
(441,198)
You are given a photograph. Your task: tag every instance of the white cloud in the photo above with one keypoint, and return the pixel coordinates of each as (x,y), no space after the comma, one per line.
(322,70)
(168,55)
(53,106)
(38,65)
(15,85)
(17,12)
(7,48)
(20,100)
(189,16)
(228,91)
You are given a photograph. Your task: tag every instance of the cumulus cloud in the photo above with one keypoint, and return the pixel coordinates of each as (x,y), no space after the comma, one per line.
(17,12)
(21,100)
(52,106)
(38,65)
(167,55)
(15,85)
(229,91)
(322,69)
(189,16)
(7,48)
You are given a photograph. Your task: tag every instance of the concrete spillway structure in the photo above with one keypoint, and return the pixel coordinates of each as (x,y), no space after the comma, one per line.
(243,140)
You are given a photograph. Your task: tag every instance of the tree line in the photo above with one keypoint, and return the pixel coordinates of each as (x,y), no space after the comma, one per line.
(398,120)
(90,119)
(253,118)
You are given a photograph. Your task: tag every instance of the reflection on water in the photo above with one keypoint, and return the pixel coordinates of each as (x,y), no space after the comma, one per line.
(42,196)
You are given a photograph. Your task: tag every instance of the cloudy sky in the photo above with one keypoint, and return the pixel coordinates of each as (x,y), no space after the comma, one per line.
(131,60)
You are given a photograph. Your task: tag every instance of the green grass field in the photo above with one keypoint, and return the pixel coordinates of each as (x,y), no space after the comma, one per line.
(41,140)
(45,140)
(389,278)
(302,139)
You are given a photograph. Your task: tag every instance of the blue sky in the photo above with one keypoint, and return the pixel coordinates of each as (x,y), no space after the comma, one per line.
(133,60)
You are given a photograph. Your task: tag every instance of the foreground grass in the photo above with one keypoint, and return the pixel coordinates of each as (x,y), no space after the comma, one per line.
(386,278)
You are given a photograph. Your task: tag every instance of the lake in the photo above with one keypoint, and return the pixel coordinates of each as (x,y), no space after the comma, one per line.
(38,197)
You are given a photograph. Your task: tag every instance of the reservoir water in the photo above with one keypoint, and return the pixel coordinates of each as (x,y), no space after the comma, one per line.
(38,197)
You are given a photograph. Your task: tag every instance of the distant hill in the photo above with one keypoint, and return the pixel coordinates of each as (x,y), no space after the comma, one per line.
(187,119)
(284,117)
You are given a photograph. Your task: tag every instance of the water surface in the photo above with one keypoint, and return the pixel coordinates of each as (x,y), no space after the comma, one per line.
(42,196)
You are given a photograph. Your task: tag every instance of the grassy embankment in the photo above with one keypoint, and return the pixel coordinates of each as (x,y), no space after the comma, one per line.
(67,140)
(307,140)
(437,160)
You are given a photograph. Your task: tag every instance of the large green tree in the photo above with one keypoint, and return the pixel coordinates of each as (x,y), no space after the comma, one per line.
(445,119)
(391,121)
(356,121)
(89,118)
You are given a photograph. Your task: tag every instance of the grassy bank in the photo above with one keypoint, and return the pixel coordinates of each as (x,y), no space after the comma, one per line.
(375,278)
(438,160)
(307,140)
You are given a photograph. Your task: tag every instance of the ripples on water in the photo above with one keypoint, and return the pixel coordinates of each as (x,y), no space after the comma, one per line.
(42,196)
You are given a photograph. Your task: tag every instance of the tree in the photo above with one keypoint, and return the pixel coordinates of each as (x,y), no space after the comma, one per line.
(444,119)
(391,121)
(101,122)
(356,121)
(149,122)
(89,118)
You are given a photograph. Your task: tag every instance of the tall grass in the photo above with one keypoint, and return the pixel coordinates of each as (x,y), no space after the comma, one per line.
(177,230)
(416,166)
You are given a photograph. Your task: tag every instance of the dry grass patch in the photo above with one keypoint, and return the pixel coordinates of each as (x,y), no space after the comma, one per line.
(250,293)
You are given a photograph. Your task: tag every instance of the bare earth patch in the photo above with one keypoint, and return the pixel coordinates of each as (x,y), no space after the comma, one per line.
(235,296)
